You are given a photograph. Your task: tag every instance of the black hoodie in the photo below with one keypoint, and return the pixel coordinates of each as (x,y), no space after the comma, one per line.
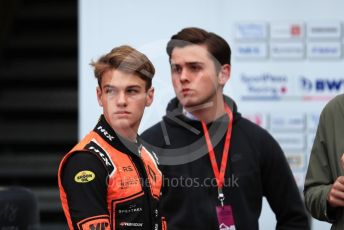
(256,168)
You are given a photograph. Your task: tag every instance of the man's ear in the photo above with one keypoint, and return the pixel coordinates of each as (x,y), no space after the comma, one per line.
(149,96)
(99,96)
(224,74)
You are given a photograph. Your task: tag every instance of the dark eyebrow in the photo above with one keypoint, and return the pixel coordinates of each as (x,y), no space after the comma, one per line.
(195,63)
(129,86)
(109,86)
(188,63)
(133,86)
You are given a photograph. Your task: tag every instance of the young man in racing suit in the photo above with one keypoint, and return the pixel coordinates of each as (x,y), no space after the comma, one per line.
(109,180)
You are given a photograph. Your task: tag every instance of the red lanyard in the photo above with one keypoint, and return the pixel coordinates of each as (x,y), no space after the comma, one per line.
(220,175)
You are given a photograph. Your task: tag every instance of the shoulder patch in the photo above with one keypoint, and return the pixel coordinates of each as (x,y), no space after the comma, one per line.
(103,156)
(84,176)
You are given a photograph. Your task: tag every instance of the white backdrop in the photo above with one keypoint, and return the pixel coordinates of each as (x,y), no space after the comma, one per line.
(287,60)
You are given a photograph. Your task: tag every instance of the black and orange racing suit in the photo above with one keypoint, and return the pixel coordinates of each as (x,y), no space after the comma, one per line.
(107,183)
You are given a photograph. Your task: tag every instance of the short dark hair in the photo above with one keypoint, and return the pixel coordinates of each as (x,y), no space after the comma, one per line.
(127,59)
(216,45)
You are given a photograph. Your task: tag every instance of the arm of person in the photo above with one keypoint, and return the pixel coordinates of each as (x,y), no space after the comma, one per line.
(320,187)
(84,179)
(280,188)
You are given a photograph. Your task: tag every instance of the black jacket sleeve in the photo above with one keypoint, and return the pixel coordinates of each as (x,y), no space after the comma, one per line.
(280,189)
(84,179)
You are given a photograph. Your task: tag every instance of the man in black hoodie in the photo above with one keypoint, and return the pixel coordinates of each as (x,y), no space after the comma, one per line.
(218,166)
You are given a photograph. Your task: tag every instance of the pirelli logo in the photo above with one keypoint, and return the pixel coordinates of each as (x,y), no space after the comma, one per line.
(96,149)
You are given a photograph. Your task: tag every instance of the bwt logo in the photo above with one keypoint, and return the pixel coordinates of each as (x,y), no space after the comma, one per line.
(321,85)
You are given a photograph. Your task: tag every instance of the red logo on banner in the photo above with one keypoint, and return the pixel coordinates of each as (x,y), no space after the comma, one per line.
(295,30)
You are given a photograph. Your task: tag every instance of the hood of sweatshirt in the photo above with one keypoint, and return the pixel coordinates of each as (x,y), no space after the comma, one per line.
(183,136)
(175,110)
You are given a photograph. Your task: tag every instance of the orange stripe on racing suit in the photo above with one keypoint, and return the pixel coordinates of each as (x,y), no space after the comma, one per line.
(124,190)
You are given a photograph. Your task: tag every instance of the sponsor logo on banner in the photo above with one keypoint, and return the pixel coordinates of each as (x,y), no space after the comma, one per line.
(296,160)
(324,30)
(257,118)
(264,86)
(291,50)
(291,141)
(251,31)
(321,85)
(251,50)
(287,31)
(287,122)
(324,50)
